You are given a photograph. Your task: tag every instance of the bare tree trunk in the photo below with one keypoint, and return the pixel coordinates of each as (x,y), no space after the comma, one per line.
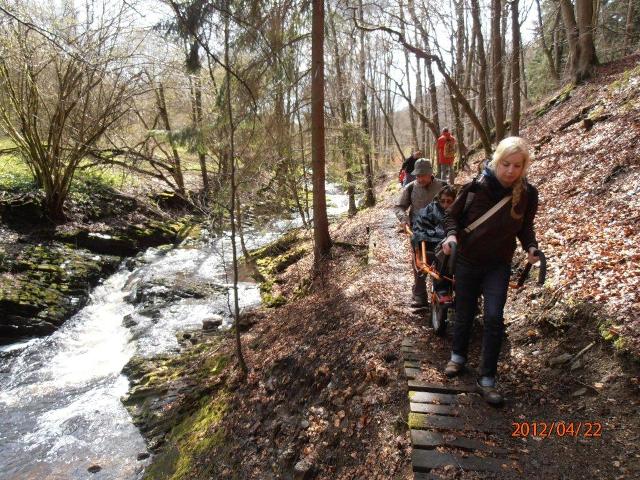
(571,27)
(422,140)
(557,42)
(496,68)
(468,74)
(164,114)
(322,240)
(389,124)
(232,207)
(587,53)
(455,109)
(460,78)
(369,198)
(628,29)
(201,154)
(239,220)
(407,70)
(515,68)
(543,44)
(342,105)
(433,92)
(482,59)
(523,74)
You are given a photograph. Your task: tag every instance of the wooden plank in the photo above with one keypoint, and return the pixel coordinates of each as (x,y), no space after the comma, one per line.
(411,351)
(412,357)
(431,439)
(439,388)
(421,421)
(426,476)
(425,460)
(408,342)
(411,372)
(464,413)
(412,364)
(434,409)
(429,397)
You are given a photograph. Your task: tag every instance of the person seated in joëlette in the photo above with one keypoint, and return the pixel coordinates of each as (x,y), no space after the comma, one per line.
(428,226)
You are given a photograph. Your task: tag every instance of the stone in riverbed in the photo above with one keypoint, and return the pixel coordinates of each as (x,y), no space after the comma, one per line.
(143,456)
(212,323)
(94,469)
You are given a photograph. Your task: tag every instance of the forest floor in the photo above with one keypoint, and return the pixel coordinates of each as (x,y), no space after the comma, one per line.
(326,395)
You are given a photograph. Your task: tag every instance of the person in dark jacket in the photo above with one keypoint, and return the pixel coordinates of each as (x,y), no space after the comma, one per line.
(408,166)
(428,225)
(483,264)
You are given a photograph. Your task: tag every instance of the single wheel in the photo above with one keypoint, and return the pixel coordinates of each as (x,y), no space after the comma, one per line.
(438,318)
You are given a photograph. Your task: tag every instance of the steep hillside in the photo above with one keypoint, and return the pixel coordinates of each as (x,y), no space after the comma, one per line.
(587,168)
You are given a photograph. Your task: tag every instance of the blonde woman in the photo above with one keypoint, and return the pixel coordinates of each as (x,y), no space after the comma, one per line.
(484,255)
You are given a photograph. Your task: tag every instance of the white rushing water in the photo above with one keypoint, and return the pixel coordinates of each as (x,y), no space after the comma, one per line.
(60,408)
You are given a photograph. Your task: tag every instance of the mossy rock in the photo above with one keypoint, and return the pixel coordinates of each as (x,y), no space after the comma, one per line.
(277,247)
(23,208)
(129,241)
(175,407)
(559,98)
(46,285)
(273,259)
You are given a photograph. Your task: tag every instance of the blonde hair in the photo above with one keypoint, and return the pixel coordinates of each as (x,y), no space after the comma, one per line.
(509,146)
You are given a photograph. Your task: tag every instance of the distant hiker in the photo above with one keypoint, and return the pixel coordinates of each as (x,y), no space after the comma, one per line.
(487,241)
(446,147)
(415,196)
(407,166)
(401,177)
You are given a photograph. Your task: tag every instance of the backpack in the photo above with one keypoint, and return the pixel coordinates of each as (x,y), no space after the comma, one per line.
(449,148)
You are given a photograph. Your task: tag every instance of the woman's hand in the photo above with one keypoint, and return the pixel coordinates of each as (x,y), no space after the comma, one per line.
(531,257)
(445,245)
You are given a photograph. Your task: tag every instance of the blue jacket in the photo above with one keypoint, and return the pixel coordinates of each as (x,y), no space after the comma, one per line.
(428,225)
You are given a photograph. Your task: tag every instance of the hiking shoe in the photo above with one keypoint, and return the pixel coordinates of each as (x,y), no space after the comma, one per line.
(453,369)
(491,395)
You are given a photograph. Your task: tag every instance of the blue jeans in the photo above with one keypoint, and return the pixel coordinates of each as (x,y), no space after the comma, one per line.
(445,171)
(492,281)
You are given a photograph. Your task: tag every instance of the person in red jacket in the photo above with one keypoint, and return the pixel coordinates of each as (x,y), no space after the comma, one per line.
(446,146)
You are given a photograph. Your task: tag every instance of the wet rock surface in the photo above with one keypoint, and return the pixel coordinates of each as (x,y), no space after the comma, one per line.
(45,285)
(46,276)
(166,390)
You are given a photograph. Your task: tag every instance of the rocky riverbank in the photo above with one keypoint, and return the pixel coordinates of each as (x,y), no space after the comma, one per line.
(47,271)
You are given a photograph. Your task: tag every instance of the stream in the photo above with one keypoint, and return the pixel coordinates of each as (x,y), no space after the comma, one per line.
(60,407)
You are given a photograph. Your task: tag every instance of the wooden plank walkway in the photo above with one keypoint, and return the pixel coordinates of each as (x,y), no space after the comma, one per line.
(452,425)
